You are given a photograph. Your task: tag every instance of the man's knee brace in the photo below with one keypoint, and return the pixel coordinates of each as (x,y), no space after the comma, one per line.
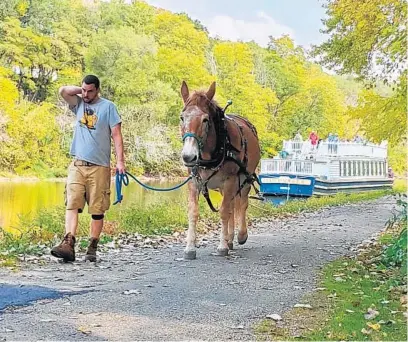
(98,217)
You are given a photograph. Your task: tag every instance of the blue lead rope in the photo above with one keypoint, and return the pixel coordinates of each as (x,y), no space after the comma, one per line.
(123,178)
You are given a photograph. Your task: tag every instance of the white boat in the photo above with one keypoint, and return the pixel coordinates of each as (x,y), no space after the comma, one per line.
(328,168)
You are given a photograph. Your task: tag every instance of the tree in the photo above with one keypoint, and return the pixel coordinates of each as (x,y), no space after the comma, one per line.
(237,81)
(182,51)
(9,96)
(383,117)
(127,66)
(35,58)
(367,37)
(117,14)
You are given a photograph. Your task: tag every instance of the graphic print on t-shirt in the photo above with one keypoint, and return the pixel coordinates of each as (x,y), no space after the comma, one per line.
(89,119)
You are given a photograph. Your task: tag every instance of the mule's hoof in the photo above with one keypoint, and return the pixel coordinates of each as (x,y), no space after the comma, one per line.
(222,251)
(190,255)
(230,246)
(242,241)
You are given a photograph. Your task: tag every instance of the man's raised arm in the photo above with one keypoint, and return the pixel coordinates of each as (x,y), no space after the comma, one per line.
(70,94)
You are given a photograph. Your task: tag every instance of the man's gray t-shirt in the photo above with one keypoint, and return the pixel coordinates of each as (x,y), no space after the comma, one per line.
(92,135)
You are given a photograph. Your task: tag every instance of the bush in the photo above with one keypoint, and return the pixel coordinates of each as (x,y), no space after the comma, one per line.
(396,252)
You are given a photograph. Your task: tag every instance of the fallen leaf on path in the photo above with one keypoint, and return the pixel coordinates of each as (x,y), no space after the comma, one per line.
(374,326)
(84,330)
(371,313)
(365,331)
(237,327)
(129,292)
(305,306)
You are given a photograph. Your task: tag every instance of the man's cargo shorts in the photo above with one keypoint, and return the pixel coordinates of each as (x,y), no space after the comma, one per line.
(88,183)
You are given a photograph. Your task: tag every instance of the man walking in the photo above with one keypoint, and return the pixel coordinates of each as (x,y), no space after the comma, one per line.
(89,173)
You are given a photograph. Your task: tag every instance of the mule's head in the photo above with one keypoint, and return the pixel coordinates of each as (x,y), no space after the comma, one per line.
(196,122)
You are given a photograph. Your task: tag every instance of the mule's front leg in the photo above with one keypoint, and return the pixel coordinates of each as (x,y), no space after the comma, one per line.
(190,251)
(231,225)
(225,214)
(242,225)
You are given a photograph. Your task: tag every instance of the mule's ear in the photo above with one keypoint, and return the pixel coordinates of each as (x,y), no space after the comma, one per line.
(211,91)
(184,91)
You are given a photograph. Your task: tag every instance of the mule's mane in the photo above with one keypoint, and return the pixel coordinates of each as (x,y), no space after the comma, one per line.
(199,98)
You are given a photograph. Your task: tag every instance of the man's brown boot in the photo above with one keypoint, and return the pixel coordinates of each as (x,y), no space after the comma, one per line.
(91,252)
(66,249)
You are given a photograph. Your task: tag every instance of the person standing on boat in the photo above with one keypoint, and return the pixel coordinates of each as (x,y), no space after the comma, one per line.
(313,137)
(330,142)
(298,137)
(336,141)
(390,173)
(89,174)
(297,143)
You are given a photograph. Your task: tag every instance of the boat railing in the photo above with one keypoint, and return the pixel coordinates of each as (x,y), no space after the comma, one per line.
(343,149)
(332,169)
(335,149)
(293,146)
(290,166)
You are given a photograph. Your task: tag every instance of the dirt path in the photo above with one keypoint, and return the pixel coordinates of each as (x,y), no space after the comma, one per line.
(153,294)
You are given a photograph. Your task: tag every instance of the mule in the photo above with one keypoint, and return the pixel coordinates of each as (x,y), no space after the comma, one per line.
(222,153)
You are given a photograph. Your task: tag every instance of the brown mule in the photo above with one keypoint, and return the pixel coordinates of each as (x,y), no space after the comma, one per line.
(222,153)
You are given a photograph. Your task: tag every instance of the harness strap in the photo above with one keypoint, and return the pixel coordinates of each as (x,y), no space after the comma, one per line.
(203,186)
(207,198)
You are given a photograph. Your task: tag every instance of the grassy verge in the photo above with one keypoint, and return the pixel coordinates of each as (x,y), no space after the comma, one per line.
(155,219)
(360,298)
(400,185)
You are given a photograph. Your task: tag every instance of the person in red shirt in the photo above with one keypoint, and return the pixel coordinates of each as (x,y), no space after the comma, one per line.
(313,137)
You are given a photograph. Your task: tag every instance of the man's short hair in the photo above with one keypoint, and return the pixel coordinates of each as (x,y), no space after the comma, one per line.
(91,79)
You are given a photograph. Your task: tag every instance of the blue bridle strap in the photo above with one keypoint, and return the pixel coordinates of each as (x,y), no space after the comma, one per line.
(197,138)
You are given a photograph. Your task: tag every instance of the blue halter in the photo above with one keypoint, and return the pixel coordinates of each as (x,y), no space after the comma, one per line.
(196,137)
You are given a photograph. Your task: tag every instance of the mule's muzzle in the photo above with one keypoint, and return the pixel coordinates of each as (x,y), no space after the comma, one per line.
(189,159)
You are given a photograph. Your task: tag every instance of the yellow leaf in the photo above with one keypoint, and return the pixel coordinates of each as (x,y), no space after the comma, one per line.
(84,330)
(374,326)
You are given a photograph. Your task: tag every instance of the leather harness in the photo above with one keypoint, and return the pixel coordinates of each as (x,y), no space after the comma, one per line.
(224,152)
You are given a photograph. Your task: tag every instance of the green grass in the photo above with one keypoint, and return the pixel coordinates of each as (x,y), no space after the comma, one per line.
(365,287)
(155,219)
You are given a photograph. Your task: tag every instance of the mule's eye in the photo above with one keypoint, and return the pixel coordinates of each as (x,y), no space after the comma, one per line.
(205,120)
(181,118)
